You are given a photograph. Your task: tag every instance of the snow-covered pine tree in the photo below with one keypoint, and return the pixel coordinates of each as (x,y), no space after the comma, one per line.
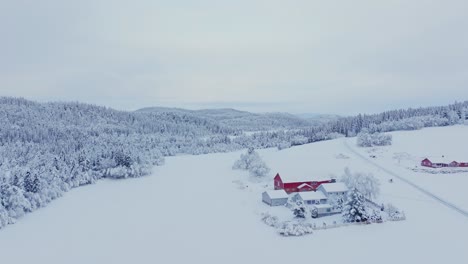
(354,209)
(31,183)
(4,218)
(300,210)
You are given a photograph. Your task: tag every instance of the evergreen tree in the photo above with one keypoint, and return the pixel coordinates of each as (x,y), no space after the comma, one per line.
(300,210)
(31,183)
(354,208)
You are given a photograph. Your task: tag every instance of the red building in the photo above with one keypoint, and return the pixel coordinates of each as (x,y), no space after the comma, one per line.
(426,163)
(454,164)
(298,186)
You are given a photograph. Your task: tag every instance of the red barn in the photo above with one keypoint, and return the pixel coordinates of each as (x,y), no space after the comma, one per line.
(426,163)
(453,164)
(297,186)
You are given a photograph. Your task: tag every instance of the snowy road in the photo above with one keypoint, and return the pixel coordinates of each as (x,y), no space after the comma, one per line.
(419,188)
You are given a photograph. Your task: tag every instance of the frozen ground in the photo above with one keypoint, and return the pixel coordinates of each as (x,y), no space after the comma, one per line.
(195,209)
(409,148)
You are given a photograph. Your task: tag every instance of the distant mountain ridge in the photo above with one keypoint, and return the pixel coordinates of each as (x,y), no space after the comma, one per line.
(248,121)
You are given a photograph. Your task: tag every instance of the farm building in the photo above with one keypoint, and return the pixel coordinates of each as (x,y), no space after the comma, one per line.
(454,164)
(333,189)
(323,210)
(311,197)
(291,186)
(426,163)
(275,197)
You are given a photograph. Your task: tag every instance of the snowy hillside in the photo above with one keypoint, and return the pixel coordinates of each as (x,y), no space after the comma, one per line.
(196,209)
(242,120)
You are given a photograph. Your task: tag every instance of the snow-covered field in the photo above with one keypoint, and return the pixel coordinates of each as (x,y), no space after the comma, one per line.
(196,209)
(439,144)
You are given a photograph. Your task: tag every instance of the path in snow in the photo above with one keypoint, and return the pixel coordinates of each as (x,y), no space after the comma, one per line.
(426,192)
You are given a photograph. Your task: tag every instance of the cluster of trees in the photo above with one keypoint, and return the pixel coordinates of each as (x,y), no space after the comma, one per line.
(252,162)
(365,183)
(366,139)
(288,228)
(48,148)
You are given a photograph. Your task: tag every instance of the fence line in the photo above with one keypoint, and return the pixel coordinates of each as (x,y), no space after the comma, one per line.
(336,225)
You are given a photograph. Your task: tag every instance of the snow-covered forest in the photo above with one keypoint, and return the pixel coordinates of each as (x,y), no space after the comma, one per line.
(48,148)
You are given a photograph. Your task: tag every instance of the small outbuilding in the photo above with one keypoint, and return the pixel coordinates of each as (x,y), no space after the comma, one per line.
(275,197)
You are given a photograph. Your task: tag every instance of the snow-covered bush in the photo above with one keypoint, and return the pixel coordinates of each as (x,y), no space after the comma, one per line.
(374,216)
(354,209)
(284,145)
(270,220)
(295,228)
(287,228)
(252,162)
(393,212)
(4,218)
(366,139)
(367,184)
(299,140)
(336,201)
(300,210)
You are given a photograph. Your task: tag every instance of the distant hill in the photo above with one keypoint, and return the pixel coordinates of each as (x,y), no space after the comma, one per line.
(242,120)
(318,118)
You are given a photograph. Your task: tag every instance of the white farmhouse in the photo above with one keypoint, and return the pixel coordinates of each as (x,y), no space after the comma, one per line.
(311,197)
(275,197)
(333,190)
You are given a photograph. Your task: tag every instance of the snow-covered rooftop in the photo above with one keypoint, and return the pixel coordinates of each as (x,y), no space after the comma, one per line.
(446,160)
(286,177)
(334,187)
(307,196)
(325,206)
(304,185)
(277,194)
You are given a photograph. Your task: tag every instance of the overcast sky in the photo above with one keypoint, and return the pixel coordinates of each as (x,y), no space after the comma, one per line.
(298,56)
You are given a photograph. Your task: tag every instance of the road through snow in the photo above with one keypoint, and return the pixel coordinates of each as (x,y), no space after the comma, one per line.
(419,188)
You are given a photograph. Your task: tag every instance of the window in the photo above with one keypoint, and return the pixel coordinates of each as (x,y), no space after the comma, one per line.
(328,210)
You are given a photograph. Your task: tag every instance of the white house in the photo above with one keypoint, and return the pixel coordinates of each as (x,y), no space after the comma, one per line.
(311,197)
(321,210)
(275,197)
(335,189)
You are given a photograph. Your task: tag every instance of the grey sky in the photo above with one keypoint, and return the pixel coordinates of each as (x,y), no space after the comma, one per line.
(299,56)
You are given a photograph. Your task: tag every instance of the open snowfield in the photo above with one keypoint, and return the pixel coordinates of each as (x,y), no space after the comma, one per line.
(196,209)
(439,144)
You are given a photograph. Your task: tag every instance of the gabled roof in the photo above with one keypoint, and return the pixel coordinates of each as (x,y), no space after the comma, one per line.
(304,185)
(308,196)
(334,187)
(277,194)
